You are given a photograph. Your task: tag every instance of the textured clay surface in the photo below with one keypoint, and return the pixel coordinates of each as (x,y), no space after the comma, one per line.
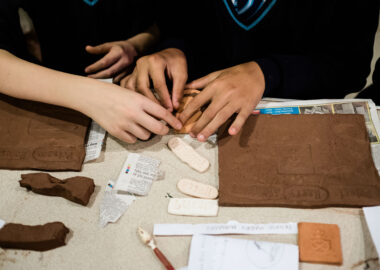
(40,237)
(298,161)
(40,136)
(319,243)
(77,189)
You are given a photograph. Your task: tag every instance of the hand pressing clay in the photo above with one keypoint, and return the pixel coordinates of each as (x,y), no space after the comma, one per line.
(319,243)
(197,189)
(40,237)
(77,189)
(188,155)
(188,95)
(193,207)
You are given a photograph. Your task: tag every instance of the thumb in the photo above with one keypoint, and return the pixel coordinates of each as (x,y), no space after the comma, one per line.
(202,82)
(100,49)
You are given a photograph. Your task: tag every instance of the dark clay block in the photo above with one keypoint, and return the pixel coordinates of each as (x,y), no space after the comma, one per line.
(34,135)
(40,237)
(298,161)
(77,189)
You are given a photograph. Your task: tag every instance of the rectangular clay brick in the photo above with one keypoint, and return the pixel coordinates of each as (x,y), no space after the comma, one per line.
(298,161)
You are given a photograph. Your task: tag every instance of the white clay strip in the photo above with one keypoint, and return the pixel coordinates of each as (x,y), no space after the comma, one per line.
(2,223)
(188,155)
(197,189)
(193,207)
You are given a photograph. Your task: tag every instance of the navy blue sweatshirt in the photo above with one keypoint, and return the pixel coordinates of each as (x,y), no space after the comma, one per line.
(306,48)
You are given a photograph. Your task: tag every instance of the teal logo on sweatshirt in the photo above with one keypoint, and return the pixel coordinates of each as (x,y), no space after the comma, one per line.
(248,13)
(91,2)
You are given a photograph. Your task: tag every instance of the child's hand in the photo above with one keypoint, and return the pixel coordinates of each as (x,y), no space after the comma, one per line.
(233,90)
(118,56)
(126,114)
(171,62)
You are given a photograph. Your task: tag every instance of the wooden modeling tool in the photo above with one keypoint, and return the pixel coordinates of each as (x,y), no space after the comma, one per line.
(148,240)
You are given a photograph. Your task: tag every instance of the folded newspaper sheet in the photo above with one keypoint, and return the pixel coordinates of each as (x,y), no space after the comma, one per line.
(366,107)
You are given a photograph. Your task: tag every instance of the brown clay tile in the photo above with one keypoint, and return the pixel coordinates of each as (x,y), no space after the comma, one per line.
(319,243)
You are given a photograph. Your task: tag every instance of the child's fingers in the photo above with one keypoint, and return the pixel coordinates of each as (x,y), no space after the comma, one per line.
(161,113)
(213,112)
(179,80)
(152,124)
(100,49)
(138,131)
(240,120)
(109,72)
(159,84)
(125,136)
(143,84)
(109,59)
(203,82)
(221,117)
(201,99)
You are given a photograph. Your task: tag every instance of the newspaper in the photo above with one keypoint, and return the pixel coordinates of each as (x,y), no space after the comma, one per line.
(95,137)
(94,142)
(366,107)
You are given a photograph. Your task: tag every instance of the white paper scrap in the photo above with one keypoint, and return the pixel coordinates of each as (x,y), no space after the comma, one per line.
(137,174)
(223,253)
(232,227)
(113,205)
(94,142)
(372,216)
(2,223)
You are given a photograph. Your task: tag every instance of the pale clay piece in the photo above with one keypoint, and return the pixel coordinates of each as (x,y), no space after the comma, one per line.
(188,155)
(197,189)
(193,207)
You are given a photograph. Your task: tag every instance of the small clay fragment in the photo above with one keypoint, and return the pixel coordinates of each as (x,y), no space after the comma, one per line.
(40,237)
(319,243)
(77,189)
(188,96)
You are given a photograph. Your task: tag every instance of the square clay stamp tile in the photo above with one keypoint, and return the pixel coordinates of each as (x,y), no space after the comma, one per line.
(319,243)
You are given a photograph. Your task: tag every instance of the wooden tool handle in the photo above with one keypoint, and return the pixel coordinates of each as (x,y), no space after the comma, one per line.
(163,259)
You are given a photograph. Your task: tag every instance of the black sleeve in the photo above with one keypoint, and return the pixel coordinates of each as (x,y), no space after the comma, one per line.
(339,61)
(11,37)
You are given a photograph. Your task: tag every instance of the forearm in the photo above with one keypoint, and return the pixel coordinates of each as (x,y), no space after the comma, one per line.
(21,79)
(145,40)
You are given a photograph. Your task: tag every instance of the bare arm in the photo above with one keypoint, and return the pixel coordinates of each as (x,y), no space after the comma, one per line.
(124,114)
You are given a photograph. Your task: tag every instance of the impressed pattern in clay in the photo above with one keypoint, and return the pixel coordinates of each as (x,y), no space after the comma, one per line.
(40,136)
(298,161)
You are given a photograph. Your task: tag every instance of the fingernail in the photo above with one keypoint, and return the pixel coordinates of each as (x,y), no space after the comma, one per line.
(201,137)
(178,126)
(232,130)
(192,134)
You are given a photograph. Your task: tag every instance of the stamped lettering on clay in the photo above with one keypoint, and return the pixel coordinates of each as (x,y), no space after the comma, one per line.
(306,193)
(61,154)
(258,192)
(8,154)
(188,155)
(197,189)
(356,193)
(193,207)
